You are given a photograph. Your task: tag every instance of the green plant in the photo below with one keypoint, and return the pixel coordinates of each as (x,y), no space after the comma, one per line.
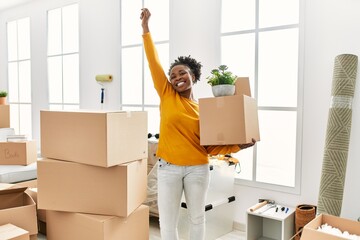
(221,76)
(3,93)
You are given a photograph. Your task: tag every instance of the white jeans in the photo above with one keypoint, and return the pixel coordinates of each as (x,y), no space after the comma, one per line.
(172,181)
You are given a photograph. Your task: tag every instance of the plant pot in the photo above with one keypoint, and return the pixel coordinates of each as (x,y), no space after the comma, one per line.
(2,100)
(223,90)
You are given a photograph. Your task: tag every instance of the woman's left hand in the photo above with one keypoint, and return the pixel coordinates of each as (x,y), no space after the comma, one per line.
(247,145)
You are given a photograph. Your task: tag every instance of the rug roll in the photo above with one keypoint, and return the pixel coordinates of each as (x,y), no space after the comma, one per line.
(337,135)
(303,215)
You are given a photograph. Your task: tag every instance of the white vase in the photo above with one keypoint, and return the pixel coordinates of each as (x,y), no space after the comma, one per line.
(223,90)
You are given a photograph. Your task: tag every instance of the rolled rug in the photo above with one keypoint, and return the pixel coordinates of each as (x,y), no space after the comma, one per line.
(337,135)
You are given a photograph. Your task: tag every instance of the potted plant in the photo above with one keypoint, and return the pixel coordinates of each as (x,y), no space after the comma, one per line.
(222,81)
(3,95)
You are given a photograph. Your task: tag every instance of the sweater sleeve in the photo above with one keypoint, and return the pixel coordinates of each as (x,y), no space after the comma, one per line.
(157,72)
(222,149)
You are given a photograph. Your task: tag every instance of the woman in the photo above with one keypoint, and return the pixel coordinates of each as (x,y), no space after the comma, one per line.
(183,164)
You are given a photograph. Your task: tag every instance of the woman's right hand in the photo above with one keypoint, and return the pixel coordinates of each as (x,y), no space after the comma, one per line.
(145,16)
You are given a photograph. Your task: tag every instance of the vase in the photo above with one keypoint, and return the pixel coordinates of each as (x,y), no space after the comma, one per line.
(2,100)
(223,90)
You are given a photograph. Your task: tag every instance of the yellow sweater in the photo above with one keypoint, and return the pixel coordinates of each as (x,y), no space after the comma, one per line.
(179,141)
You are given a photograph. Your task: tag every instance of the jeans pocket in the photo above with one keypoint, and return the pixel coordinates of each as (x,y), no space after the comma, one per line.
(162,163)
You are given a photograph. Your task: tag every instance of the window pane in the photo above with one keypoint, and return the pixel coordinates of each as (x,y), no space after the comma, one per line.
(238,53)
(159,19)
(14,117)
(150,94)
(13,82)
(12,40)
(24,82)
(245,158)
(55,79)
(131,30)
(237,15)
(278,68)
(131,76)
(70,30)
(278,12)
(24,38)
(131,108)
(25,119)
(71,107)
(54,31)
(153,120)
(71,78)
(276,150)
(56,107)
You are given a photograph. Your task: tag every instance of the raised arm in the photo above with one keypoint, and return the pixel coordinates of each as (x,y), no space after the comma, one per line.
(145,15)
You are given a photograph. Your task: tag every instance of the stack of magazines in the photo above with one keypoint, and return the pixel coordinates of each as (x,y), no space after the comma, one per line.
(16,138)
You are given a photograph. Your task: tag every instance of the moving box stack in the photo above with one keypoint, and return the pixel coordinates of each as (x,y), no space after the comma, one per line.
(18,219)
(92,180)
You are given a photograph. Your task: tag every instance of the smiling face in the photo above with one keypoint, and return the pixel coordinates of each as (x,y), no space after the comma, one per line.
(181,78)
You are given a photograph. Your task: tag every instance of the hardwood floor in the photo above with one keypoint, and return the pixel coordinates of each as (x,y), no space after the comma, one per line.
(154,233)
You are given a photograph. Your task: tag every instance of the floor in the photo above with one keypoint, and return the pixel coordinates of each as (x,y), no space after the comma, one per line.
(155,233)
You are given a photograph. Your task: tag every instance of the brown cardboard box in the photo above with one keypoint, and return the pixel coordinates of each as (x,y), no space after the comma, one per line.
(228,120)
(242,86)
(74,187)
(32,192)
(99,138)
(310,231)
(76,226)
(17,207)
(12,232)
(4,116)
(18,153)
(41,213)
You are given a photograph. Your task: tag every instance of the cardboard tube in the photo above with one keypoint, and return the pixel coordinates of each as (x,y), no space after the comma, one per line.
(257,206)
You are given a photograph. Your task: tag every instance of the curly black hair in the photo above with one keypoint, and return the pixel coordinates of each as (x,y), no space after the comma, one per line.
(191,63)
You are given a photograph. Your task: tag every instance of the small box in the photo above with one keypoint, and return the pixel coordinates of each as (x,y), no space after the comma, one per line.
(12,232)
(18,153)
(228,120)
(17,207)
(310,231)
(78,226)
(74,187)
(99,138)
(4,116)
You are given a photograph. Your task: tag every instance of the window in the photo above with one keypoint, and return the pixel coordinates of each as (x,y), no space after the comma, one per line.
(262,42)
(137,91)
(19,75)
(63,57)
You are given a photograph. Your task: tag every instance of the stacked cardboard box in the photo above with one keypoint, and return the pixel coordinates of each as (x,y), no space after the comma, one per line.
(4,116)
(92,180)
(18,153)
(230,119)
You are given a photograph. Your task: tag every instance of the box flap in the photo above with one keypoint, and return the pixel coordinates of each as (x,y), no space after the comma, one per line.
(242,86)
(12,189)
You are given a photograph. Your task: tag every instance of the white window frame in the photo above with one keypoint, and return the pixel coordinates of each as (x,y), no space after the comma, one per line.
(19,103)
(299,108)
(63,104)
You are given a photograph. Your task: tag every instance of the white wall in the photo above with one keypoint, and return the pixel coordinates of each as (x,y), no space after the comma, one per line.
(331,27)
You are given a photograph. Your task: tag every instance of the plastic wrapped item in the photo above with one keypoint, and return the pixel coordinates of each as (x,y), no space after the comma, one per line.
(151,199)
